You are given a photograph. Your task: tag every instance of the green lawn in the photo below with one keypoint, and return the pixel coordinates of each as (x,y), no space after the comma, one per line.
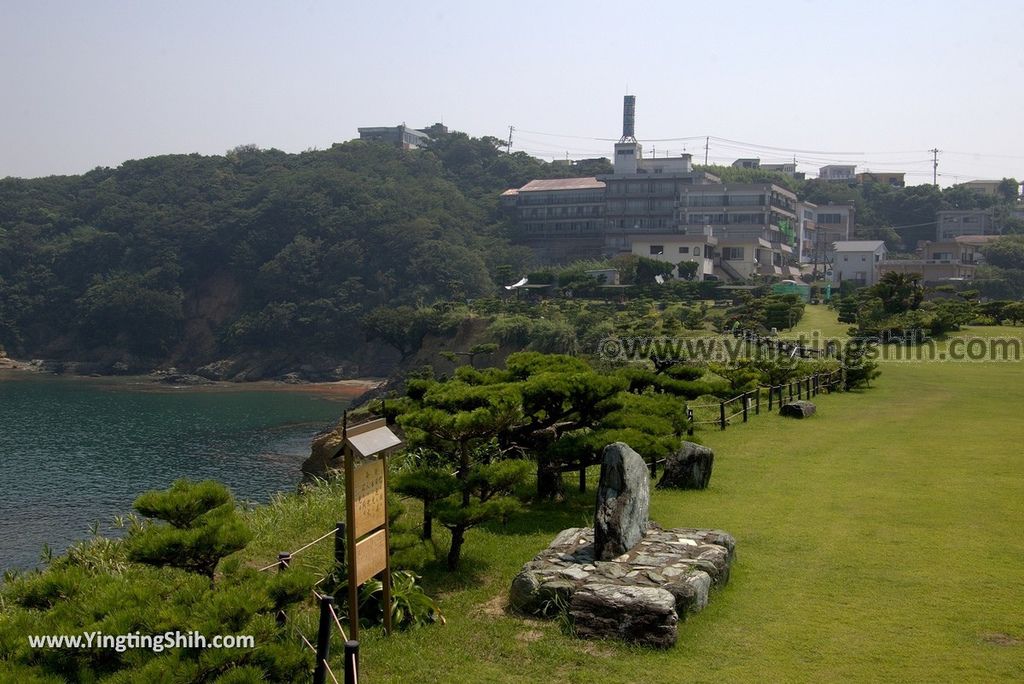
(881,540)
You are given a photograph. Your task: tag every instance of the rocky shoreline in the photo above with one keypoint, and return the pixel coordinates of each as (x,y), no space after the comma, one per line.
(343,388)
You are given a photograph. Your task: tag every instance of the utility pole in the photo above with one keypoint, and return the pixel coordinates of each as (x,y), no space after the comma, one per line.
(510,129)
(706,142)
(935,166)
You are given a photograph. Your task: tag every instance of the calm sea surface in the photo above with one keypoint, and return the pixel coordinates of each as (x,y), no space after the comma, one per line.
(74,451)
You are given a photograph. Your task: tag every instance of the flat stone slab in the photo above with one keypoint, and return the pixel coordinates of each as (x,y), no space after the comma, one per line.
(682,563)
(798,409)
(644,615)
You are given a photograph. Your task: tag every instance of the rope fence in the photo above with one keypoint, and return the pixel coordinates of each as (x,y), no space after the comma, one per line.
(796,388)
(329,619)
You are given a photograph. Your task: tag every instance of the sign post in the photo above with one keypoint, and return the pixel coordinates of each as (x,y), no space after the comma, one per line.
(366,447)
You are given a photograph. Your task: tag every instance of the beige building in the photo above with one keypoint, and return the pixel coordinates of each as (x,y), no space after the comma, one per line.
(838,172)
(834,223)
(956,222)
(983,187)
(943,260)
(896,179)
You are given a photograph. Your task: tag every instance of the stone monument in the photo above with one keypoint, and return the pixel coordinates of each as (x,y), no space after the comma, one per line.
(625,578)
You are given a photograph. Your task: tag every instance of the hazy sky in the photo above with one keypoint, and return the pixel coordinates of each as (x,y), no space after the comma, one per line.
(88,84)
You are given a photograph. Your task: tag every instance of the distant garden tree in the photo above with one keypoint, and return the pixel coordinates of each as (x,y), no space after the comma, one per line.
(687,269)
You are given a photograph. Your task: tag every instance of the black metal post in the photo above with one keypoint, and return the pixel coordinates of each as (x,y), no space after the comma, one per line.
(323,640)
(721,413)
(746,404)
(351,662)
(284,559)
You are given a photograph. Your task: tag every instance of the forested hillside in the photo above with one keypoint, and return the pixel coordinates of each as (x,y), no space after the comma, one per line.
(184,259)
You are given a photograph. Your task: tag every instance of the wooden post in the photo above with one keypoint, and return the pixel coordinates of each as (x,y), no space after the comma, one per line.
(807,392)
(353,589)
(746,405)
(351,662)
(790,391)
(339,546)
(386,580)
(323,640)
(721,413)
(780,397)
(771,397)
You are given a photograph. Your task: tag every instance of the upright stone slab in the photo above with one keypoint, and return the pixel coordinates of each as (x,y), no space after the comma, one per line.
(623,500)
(688,468)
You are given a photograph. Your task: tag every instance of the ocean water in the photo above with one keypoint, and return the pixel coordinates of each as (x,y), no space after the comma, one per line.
(75,451)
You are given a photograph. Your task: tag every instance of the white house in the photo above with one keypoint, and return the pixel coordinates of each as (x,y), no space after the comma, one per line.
(678,247)
(858,260)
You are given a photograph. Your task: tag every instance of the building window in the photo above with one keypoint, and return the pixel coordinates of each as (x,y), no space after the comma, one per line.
(732,253)
(657,249)
(684,250)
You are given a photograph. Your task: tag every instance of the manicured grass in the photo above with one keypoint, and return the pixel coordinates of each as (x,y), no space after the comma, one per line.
(880,540)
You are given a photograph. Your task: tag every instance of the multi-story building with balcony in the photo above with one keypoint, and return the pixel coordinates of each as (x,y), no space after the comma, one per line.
(834,223)
(955,222)
(838,172)
(942,261)
(756,226)
(562,219)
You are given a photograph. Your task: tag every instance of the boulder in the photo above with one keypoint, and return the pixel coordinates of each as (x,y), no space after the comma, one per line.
(642,615)
(623,500)
(797,409)
(688,468)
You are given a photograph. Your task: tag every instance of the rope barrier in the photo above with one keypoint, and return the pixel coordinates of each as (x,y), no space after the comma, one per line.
(292,554)
(341,629)
(303,637)
(330,672)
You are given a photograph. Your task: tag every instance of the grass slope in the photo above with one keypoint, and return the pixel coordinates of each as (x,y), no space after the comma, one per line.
(880,540)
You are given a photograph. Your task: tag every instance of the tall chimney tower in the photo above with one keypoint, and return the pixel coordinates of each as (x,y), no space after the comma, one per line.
(628,151)
(628,119)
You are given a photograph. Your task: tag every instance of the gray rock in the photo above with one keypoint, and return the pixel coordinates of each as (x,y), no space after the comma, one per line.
(643,615)
(524,596)
(623,500)
(691,592)
(797,409)
(688,468)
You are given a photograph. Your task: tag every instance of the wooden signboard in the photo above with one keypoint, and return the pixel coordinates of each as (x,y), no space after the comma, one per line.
(369,497)
(366,486)
(371,556)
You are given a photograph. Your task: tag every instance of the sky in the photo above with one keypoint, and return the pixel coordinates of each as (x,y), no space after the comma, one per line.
(876,84)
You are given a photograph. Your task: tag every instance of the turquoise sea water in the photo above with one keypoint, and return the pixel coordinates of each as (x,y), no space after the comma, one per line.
(74,451)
